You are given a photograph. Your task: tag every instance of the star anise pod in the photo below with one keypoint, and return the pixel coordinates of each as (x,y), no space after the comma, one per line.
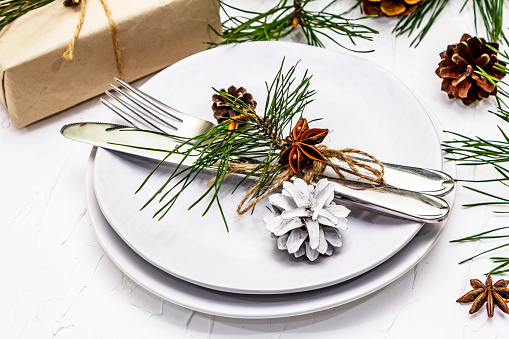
(493,294)
(299,147)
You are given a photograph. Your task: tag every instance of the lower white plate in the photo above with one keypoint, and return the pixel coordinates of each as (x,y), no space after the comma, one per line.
(372,111)
(247,306)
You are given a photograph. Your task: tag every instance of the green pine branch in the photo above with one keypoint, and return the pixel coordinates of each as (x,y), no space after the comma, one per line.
(481,151)
(418,23)
(492,15)
(287,16)
(10,10)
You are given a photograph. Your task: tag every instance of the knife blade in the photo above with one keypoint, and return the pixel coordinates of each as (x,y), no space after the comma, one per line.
(147,144)
(410,205)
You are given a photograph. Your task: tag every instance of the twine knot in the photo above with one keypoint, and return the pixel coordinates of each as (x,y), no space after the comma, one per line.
(372,171)
(372,174)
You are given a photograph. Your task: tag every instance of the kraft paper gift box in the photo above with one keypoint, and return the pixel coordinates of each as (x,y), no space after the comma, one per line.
(35,79)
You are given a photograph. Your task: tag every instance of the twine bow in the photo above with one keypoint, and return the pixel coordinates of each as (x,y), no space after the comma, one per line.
(69,53)
(311,173)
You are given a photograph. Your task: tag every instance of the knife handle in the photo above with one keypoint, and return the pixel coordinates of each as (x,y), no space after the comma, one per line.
(409,178)
(393,201)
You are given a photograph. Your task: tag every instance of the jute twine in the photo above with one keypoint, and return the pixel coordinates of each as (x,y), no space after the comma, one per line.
(69,53)
(311,173)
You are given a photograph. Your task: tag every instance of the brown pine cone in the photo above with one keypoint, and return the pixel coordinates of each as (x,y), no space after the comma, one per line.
(220,105)
(458,65)
(390,7)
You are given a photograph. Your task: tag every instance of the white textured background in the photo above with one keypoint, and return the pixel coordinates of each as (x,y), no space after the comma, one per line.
(57,282)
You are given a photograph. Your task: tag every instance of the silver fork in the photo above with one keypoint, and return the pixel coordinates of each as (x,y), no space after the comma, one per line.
(145,112)
(148,113)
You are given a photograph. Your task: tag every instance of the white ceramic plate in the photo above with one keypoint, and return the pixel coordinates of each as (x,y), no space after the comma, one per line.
(248,306)
(363,105)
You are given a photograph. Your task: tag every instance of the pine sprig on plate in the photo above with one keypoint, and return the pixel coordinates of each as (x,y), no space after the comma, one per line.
(256,141)
(284,18)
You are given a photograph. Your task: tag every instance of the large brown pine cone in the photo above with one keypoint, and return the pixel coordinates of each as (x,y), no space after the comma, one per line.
(459,65)
(220,105)
(390,7)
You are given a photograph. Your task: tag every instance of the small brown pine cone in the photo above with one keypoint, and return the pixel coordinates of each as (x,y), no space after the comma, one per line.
(220,105)
(459,65)
(390,7)
(71,2)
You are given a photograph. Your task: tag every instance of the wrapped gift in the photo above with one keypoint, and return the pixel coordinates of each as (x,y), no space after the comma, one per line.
(36,81)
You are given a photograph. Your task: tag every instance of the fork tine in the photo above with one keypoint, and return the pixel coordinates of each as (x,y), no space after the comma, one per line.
(151,113)
(135,122)
(135,117)
(146,110)
(170,111)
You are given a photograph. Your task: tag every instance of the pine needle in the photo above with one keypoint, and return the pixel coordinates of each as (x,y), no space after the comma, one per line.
(502,261)
(490,12)
(427,12)
(492,15)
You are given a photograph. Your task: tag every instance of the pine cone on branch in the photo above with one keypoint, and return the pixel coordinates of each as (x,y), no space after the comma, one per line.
(390,7)
(220,105)
(459,65)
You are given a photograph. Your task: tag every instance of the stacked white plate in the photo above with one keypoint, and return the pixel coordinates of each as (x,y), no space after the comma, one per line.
(192,260)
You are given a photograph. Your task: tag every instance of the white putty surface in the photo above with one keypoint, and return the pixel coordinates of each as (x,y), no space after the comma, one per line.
(57,282)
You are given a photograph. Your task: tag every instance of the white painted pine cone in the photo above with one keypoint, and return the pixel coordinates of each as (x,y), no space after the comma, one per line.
(306,220)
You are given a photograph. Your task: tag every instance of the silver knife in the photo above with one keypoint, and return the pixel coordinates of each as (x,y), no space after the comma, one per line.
(410,205)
